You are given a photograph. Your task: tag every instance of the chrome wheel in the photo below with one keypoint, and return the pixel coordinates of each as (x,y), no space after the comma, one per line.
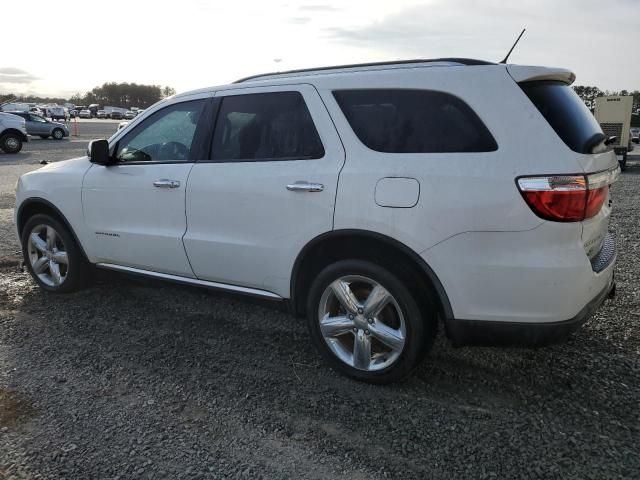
(58,134)
(362,323)
(12,143)
(48,255)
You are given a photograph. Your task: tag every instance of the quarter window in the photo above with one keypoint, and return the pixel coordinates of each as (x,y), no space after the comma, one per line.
(414,121)
(265,126)
(166,136)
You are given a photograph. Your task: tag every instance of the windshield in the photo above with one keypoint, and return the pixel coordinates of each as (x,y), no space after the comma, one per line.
(566,113)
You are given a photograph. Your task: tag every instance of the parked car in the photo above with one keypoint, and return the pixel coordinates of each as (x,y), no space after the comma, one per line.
(85,114)
(116,115)
(58,113)
(635,135)
(129,115)
(101,114)
(73,113)
(378,200)
(93,108)
(37,125)
(13,133)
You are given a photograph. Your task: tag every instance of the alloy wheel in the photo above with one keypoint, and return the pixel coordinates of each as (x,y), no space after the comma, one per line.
(362,323)
(12,143)
(48,255)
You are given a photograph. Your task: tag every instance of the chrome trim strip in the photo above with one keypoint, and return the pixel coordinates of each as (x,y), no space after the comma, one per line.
(191,281)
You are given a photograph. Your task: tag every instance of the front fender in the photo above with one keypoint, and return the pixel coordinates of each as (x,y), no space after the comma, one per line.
(56,188)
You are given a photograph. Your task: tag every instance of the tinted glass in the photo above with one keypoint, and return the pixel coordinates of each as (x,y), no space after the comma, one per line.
(566,113)
(265,126)
(414,121)
(167,135)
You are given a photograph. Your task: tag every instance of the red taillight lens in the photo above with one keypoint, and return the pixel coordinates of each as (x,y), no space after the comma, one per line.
(567,198)
(595,200)
(557,206)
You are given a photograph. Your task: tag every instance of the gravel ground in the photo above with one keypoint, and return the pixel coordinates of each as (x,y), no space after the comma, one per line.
(137,379)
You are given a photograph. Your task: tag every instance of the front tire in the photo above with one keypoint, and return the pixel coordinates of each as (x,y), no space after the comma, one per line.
(52,256)
(365,322)
(58,134)
(10,143)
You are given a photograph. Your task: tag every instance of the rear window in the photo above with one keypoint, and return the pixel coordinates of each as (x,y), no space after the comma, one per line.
(566,113)
(414,121)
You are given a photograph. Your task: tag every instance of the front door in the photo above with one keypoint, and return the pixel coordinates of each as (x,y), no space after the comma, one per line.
(37,125)
(268,189)
(136,207)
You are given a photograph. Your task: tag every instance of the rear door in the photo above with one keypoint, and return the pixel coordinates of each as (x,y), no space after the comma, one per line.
(268,189)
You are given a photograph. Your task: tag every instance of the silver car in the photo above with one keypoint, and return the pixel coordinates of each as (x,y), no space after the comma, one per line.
(37,125)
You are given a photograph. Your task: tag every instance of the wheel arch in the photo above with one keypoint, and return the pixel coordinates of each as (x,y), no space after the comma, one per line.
(362,244)
(22,136)
(36,205)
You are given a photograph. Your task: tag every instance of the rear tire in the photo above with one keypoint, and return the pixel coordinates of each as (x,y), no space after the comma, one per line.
(52,256)
(623,162)
(10,143)
(354,336)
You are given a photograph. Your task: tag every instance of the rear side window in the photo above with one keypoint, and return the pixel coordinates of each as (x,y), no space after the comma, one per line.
(265,126)
(566,113)
(414,121)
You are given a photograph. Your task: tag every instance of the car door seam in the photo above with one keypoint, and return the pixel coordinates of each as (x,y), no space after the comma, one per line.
(186,220)
(344,158)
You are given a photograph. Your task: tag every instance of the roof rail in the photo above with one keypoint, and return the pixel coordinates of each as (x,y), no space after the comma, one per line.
(461,61)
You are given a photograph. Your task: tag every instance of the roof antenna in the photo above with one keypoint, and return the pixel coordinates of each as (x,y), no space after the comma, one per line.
(514,46)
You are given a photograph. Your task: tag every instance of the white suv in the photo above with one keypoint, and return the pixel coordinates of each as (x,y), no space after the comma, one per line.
(13,132)
(378,200)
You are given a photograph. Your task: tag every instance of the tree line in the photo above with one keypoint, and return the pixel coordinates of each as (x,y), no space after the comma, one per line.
(125,95)
(589,95)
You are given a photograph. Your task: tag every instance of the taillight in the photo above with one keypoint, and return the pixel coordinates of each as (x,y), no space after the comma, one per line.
(567,198)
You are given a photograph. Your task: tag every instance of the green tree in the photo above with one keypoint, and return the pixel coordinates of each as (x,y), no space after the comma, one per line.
(588,95)
(168,91)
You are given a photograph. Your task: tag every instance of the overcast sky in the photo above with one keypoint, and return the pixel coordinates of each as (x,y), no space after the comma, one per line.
(187,44)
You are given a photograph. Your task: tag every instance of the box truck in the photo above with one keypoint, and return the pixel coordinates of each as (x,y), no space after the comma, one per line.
(613,113)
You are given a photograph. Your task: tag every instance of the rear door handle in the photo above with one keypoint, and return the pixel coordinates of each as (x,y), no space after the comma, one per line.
(302,186)
(166,183)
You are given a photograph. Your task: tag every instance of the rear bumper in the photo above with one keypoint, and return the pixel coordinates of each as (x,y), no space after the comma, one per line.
(488,333)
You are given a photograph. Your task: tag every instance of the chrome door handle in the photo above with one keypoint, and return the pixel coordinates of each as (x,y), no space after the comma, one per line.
(305,187)
(166,183)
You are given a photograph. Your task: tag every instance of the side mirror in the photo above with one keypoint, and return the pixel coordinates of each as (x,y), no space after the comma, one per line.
(98,152)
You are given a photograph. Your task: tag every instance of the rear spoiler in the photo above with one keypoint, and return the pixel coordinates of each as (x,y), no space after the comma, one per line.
(526,73)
